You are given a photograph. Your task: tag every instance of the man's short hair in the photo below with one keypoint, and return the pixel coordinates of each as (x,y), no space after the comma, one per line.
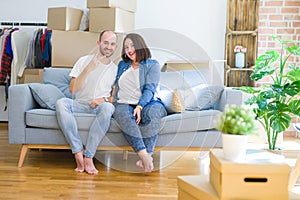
(104,31)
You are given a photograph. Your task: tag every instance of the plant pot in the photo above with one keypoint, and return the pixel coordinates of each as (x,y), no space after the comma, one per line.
(240,60)
(234,146)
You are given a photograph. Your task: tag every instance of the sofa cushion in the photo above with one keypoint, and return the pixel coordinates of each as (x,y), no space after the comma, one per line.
(172,100)
(184,79)
(45,118)
(201,97)
(58,77)
(189,121)
(175,123)
(45,95)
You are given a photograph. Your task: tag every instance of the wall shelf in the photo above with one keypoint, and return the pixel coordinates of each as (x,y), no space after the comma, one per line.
(241,29)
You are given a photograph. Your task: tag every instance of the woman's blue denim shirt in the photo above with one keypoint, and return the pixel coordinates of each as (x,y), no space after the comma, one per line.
(149,79)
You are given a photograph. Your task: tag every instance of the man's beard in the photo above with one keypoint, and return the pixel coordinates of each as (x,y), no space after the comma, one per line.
(102,52)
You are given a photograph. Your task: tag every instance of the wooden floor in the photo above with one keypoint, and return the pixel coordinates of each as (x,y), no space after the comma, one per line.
(48,174)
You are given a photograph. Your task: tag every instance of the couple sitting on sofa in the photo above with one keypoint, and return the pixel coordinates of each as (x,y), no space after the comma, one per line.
(97,82)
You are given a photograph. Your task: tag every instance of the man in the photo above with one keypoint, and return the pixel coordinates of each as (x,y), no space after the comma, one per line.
(93,78)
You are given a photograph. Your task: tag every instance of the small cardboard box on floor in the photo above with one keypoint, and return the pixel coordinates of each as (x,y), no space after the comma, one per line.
(64,18)
(114,19)
(69,46)
(129,5)
(31,75)
(258,178)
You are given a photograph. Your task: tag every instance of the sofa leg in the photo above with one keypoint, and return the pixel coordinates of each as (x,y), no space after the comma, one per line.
(22,155)
(125,154)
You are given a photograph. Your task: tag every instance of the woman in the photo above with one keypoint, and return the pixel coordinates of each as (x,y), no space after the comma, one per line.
(137,109)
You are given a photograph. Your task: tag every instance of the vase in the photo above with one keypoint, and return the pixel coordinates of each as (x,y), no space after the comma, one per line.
(240,60)
(234,147)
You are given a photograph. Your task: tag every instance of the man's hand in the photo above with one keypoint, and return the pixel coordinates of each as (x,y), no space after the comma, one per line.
(96,102)
(94,63)
(77,83)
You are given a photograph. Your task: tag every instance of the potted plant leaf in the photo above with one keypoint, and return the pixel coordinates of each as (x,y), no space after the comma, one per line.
(277,102)
(235,123)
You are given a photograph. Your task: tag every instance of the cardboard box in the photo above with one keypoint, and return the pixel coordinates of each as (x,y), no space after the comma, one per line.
(31,76)
(258,178)
(64,18)
(114,19)
(69,46)
(129,5)
(182,65)
(195,187)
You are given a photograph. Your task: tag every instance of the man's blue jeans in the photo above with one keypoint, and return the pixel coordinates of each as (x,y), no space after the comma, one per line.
(65,109)
(144,135)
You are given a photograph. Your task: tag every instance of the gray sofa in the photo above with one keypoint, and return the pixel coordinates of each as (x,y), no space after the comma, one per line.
(33,126)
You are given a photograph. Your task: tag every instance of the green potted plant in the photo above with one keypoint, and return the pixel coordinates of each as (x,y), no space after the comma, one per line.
(235,123)
(277,102)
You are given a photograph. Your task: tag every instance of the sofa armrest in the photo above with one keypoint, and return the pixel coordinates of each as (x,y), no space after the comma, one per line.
(230,96)
(19,101)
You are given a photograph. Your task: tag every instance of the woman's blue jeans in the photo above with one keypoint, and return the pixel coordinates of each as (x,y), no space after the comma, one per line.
(144,135)
(65,109)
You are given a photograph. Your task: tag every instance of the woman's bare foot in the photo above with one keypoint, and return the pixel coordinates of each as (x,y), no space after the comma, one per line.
(147,161)
(79,162)
(89,166)
(139,163)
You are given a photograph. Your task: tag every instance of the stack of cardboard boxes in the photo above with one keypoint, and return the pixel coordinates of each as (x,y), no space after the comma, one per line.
(69,43)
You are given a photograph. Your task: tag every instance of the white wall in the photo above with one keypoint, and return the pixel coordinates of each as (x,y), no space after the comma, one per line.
(202,21)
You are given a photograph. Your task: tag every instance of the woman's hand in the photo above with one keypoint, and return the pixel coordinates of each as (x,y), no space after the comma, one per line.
(137,112)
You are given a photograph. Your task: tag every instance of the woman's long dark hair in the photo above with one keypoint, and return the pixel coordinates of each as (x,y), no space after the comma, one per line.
(141,49)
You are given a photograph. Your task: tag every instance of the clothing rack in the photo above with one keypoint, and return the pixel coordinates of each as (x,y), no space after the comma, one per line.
(22,24)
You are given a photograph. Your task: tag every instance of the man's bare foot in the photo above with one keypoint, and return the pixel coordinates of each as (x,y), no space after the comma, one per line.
(147,162)
(79,162)
(89,166)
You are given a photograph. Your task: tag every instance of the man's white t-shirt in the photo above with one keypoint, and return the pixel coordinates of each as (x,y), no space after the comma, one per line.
(98,83)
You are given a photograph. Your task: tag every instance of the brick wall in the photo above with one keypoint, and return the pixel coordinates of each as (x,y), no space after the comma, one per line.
(280,18)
